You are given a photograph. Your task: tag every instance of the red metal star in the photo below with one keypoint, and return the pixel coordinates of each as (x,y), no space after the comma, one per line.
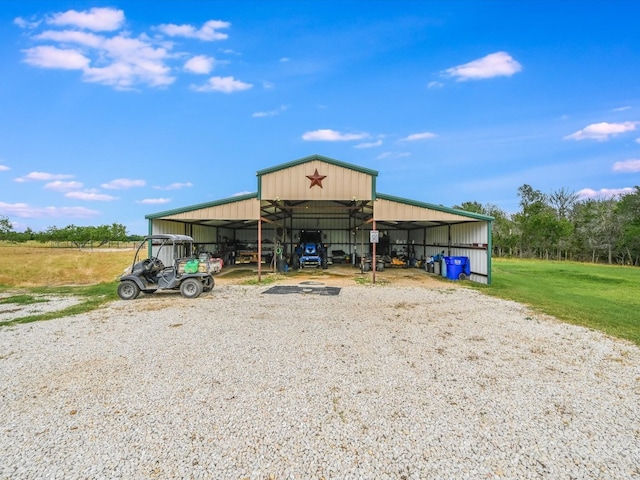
(316,179)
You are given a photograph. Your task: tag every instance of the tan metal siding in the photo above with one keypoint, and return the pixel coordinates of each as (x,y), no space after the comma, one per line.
(204,234)
(340,183)
(241,210)
(396,211)
(161,226)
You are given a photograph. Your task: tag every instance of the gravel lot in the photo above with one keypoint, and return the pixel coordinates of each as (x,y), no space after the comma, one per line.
(382,382)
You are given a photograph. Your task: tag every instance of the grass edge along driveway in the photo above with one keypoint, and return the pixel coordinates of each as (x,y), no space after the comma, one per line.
(601,297)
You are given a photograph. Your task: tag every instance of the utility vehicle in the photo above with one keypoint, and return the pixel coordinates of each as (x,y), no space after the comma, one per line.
(171,265)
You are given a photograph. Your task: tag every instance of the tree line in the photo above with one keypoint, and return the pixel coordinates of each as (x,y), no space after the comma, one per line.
(561,226)
(553,226)
(79,237)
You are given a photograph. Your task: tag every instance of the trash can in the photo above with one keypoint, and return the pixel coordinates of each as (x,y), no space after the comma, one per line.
(458,268)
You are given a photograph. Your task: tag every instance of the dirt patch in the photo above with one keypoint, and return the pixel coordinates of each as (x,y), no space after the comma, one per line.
(335,275)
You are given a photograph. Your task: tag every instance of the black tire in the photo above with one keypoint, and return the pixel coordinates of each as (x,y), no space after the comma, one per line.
(380,267)
(128,290)
(462,276)
(191,288)
(325,263)
(209,283)
(295,263)
(366,267)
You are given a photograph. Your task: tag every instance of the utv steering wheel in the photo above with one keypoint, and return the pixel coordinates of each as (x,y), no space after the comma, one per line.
(153,264)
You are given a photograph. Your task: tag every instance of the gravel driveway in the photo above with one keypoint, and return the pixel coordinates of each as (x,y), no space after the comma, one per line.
(380,382)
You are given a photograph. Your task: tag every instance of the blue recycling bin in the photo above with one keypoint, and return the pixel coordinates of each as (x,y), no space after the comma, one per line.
(458,268)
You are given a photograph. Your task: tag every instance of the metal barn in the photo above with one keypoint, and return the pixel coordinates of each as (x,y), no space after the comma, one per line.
(340,199)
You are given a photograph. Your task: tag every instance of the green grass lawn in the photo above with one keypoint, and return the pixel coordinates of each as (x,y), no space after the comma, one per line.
(602,297)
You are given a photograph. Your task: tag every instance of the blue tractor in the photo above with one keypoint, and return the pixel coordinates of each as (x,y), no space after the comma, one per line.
(310,251)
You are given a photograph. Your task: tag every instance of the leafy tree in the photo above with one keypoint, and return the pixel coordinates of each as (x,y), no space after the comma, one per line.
(562,201)
(532,220)
(473,207)
(597,227)
(504,231)
(628,210)
(5,227)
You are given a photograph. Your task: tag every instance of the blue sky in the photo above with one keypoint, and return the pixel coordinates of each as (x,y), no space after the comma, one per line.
(111,111)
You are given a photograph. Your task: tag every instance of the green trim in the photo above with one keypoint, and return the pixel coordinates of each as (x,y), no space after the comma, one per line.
(373,188)
(320,158)
(259,194)
(439,208)
(199,206)
(489,251)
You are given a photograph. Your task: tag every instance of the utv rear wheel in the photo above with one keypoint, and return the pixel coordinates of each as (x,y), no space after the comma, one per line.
(191,288)
(128,290)
(209,283)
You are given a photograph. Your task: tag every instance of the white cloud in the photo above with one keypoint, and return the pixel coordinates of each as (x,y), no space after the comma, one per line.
(154,201)
(199,64)
(222,84)
(4,168)
(24,210)
(632,165)
(72,36)
(123,184)
(637,140)
(241,193)
(270,113)
(175,186)
(132,61)
(499,64)
(392,155)
(435,84)
(42,176)
(621,109)
(60,186)
(587,193)
(91,196)
(208,32)
(602,131)
(46,56)
(120,59)
(285,59)
(418,136)
(96,19)
(377,143)
(327,135)
(24,23)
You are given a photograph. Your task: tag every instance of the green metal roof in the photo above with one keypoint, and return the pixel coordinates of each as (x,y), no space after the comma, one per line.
(439,208)
(321,158)
(190,208)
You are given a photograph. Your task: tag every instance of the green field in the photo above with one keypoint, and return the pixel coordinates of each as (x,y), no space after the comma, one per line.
(602,297)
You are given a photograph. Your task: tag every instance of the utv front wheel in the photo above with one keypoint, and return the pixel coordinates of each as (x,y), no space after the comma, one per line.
(191,288)
(128,290)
